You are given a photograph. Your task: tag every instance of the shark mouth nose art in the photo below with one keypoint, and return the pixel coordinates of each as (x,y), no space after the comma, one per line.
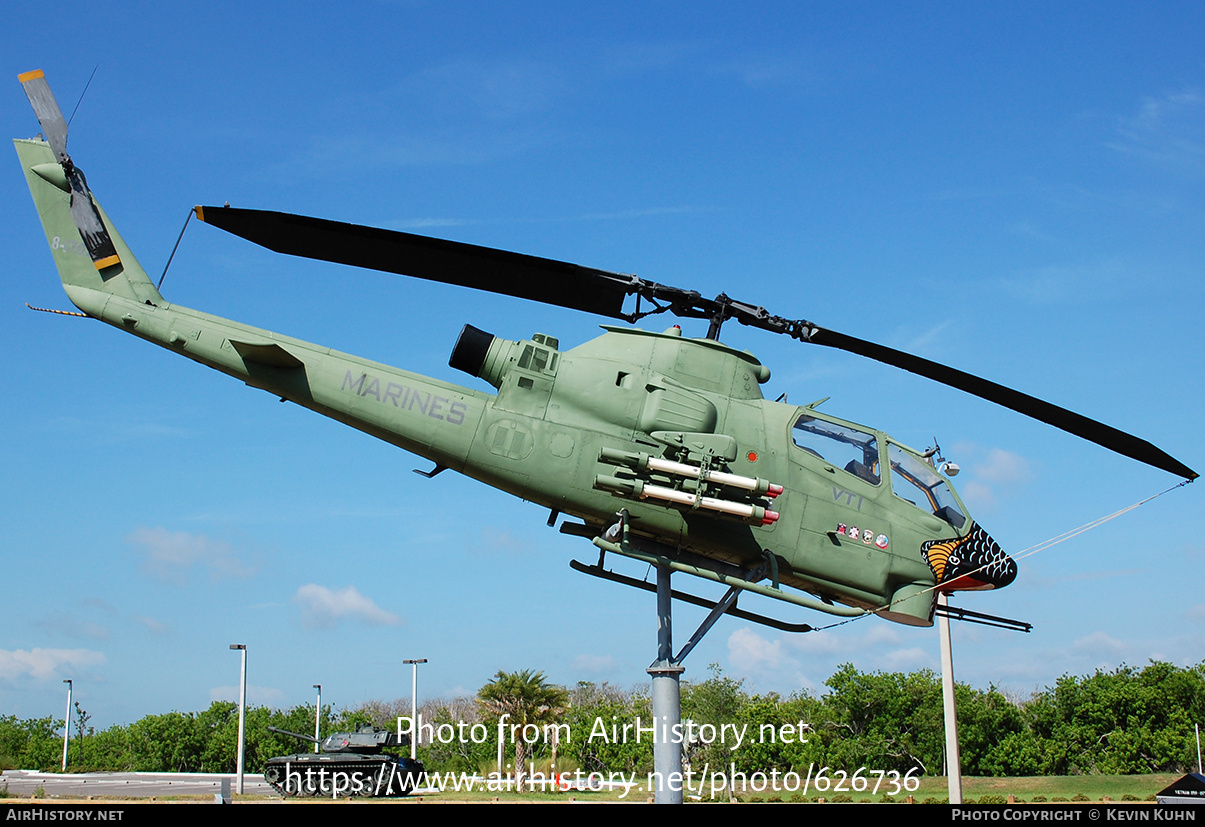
(973,562)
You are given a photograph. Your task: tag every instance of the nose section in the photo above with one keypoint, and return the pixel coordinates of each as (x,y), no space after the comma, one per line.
(973,562)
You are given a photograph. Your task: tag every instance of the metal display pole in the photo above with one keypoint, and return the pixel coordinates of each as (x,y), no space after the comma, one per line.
(953,759)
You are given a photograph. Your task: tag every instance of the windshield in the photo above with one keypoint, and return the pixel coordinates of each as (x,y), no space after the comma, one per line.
(846,447)
(914,480)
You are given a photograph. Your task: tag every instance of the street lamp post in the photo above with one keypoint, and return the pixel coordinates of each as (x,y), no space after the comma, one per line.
(66,724)
(318,717)
(242,713)
(414,706)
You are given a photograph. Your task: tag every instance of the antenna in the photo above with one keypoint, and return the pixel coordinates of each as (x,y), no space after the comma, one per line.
(81,94)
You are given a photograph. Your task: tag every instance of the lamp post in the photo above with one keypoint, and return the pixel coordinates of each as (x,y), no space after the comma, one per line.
(318,717)
(242,712)
(414,706)
(66,724)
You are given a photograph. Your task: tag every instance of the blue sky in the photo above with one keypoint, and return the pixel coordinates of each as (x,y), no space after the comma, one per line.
(1012,189)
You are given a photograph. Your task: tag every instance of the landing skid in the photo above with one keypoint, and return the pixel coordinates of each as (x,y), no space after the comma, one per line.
(706,603)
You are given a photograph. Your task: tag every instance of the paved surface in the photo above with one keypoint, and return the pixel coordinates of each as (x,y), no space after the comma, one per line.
(24,783)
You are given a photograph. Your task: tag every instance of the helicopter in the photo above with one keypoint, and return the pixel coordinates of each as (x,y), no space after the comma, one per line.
(661,447)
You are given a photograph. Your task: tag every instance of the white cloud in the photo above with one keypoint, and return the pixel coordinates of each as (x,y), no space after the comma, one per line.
(1003,467)
(71,626)
(639,212)
(750,652)
(324,608)
(791,662)
(489,90)
(819,643)
(1079,282)
(171,555)
(1169,130)
(425,223)
(46,664)
(998,475)
(871,633)
(908,660)
(928,340)
(809,72)
(595,663)
(256,695)
(500,540)
(152,625)
(1098,644)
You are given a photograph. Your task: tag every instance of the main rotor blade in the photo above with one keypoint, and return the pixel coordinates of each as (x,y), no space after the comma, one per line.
(1061,418)
(435,259)
(603,292)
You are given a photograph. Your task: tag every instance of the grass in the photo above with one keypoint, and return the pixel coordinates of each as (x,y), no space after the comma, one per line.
(1026,790)
(1117,788)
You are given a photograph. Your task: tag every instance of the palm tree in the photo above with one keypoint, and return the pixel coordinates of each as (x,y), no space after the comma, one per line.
(525,698)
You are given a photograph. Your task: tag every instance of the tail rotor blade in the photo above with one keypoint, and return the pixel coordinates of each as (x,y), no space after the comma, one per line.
(54,125)
(83,209)
(89,223)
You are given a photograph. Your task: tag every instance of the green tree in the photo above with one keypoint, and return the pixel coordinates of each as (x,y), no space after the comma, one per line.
(781,734)
(109,750)
(81,761)
(1125,721)
(31,744)
(597,717)
(992,734)
(710,705)
(1122,721)
(521,701)
(217,728)
(884,720)
(467,750)
(172,742)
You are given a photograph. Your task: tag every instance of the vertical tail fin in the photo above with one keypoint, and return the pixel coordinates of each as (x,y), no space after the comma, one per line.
(51,191)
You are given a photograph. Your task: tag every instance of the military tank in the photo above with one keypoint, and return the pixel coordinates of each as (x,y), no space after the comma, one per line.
(347,765)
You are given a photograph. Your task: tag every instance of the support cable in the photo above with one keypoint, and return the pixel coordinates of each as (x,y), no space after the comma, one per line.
(173,255)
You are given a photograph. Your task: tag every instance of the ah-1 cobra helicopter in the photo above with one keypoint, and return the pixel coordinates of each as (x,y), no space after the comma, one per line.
(707,476)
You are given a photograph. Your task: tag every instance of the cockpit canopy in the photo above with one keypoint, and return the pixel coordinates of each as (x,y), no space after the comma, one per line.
(856,451)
